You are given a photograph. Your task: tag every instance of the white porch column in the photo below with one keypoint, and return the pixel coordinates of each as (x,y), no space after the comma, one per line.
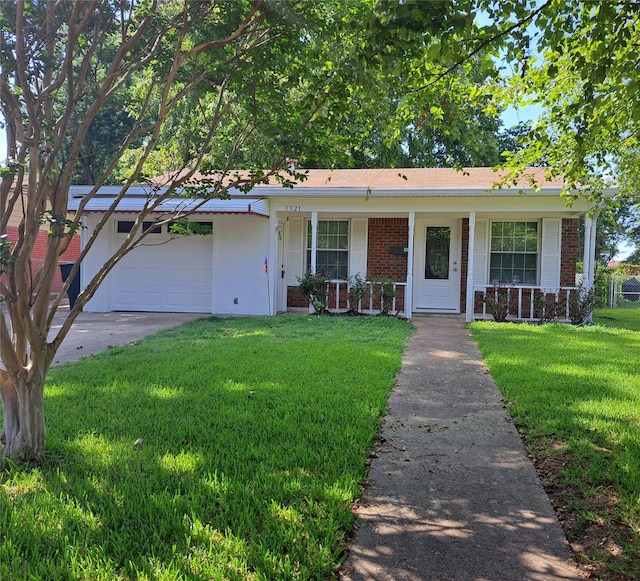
(470,250)
(592,264)
(590,274)
(314,247)
(271,266)
(408,290)
(314,241)
(588,254)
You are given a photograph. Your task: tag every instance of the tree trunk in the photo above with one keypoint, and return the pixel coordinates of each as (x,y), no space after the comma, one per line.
(23,435)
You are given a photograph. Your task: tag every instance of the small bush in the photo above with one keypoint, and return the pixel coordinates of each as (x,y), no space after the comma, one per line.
(547,307)
(358,289)
(499,301)
(386,293)
(581,305)
(314,286)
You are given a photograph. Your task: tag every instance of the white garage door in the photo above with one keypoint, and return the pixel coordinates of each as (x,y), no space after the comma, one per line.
(173,277)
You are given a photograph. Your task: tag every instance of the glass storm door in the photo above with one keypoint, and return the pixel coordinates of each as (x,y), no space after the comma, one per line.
(437,276)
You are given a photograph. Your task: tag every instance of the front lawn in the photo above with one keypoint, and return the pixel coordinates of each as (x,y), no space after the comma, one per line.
(223,449)
(575,396)
(618,318)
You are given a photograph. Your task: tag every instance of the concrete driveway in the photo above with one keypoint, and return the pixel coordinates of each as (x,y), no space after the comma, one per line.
(95,332)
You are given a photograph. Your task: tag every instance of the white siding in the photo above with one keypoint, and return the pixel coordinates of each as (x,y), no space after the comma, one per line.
(358,246)
(480,252)
(241,245)
(551,240)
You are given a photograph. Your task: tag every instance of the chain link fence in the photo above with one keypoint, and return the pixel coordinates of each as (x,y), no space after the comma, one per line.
(624,291)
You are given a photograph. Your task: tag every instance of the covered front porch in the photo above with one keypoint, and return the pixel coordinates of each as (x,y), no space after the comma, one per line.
(438,262)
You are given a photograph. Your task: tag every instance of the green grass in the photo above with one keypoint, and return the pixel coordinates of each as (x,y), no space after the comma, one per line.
(255,437)
(618,318)
(575,396)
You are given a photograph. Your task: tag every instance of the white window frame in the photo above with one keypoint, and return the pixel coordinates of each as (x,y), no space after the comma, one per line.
(307,247)
(537,253)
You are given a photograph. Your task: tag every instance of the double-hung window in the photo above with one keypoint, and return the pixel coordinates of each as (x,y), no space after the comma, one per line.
(514,253)
(332,251)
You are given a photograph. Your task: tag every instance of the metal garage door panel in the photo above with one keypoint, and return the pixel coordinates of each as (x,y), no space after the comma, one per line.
(172,277)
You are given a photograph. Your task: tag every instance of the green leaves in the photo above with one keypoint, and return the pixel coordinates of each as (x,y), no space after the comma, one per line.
(186,227)
(59,225)
(584,83)
(6,255)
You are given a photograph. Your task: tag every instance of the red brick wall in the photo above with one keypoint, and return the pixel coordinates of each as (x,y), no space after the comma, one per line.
(384,234)
(569,255)
(40,249)
(295,299)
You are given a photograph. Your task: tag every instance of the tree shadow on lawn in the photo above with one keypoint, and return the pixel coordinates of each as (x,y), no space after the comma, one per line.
(196,476)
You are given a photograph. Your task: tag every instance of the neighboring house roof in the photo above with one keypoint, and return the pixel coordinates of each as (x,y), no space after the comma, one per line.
(17,214)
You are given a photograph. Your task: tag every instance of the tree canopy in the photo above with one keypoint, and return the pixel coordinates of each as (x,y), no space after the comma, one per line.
(577,61)
(372,71)
(66,68)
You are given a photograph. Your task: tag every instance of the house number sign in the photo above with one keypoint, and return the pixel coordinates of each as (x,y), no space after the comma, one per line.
(293,208)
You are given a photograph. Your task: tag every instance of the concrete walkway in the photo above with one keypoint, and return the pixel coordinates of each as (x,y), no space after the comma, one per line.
(451,493)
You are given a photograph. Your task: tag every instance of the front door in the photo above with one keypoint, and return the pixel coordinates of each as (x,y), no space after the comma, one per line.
(436,271)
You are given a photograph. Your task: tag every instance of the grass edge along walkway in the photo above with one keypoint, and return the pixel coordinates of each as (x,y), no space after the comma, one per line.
(222,449)
(574,394)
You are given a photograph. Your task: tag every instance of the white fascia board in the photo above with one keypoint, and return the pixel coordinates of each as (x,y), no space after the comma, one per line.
(551,205)
(113,191)
(271,192)
(400,193)
(328,192)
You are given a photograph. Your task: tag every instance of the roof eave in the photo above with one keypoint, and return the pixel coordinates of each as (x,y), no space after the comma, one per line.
(323,192)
